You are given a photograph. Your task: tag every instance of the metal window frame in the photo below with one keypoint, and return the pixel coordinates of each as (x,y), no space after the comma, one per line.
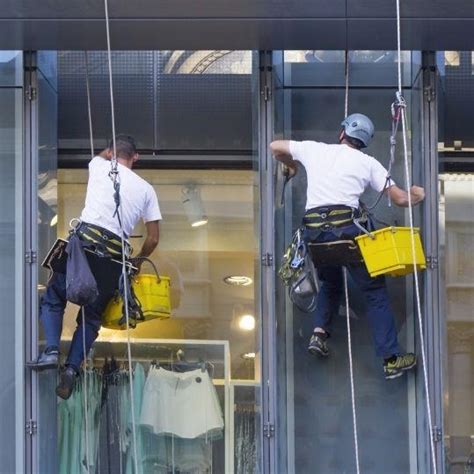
(432,305)
(31,264)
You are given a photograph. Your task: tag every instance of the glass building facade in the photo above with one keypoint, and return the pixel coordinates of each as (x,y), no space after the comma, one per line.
(202,121)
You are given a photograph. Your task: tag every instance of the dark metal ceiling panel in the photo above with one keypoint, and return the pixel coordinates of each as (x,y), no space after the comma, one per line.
(236,24)
(175,34)
(123,9)
(417,34)
(411,8)
(94,9)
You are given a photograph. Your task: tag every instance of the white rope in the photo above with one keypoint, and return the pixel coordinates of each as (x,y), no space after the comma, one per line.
(346,293)
(115,177)
(346,74)
(84,390)
(412,235)
(89,108)
(85,384)
(351,369)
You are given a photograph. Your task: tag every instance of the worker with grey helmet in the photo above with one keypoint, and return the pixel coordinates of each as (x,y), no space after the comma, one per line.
(337,176)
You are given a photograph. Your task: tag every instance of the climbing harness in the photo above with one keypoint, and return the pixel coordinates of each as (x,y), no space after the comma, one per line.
(329,217)
(103,242)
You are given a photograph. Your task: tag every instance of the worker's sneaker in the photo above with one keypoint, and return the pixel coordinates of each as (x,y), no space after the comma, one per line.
(67,380)
(318,345)
(395,366)
(48,359)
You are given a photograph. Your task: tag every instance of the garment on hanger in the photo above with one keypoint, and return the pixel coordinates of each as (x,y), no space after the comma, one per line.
(75,455)
(245,453)
(182,407)
(181,404)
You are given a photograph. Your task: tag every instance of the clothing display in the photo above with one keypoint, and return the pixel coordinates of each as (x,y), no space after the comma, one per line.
(181,404)
(178,418)
(78,440)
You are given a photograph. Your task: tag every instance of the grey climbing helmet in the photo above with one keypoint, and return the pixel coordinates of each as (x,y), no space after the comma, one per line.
(359,126)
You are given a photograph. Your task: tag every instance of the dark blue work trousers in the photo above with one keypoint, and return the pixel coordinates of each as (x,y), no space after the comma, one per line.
(379,312)
(53,304)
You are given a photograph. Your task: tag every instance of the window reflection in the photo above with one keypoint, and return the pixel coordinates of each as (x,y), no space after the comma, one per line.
(198,259)
(457,248)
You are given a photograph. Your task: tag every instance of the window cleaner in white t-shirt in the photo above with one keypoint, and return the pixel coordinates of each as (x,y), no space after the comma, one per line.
(99,226)
(337,176)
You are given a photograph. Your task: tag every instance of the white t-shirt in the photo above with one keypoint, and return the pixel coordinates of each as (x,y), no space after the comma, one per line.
(337,174)
(137,197)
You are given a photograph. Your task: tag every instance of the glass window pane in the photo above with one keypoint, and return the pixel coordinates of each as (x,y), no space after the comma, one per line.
(456,217)
(11,68)
(455,105)
(11,279)
(457,241)
(209,248)
(168,100)
(314,393)
(327,68)
(133,79)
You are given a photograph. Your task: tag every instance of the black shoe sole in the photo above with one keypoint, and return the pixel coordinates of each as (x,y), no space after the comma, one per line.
(317,352)
(400,373)
(40,367)
(65,387)
(64,392)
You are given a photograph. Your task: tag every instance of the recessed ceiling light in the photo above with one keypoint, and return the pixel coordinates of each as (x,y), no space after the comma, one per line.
(199,223)
(238,280)
(248,355)
(247,322)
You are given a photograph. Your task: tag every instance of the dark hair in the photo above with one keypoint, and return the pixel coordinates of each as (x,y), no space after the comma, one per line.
(355,142)
(125,145)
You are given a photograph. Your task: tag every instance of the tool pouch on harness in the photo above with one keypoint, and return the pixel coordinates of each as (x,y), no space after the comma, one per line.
(298,274)
(81,286)
(135,313)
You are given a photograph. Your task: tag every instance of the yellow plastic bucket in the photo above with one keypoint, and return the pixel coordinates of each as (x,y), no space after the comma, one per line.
(154,295)
(390,251)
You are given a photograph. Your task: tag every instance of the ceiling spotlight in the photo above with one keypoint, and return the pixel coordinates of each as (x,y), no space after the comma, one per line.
(238,280)
(193,206)
(54,220)
(248,355)
(247,322)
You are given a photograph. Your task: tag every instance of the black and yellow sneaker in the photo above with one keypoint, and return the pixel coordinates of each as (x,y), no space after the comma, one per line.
(318,345)
(396,365)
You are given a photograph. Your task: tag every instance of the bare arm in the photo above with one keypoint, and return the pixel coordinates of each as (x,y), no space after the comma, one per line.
(281,152)
(151,240)
(400,196)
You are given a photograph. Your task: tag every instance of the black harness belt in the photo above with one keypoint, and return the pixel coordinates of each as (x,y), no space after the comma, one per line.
(339,252)
(327,217)
(104,242)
